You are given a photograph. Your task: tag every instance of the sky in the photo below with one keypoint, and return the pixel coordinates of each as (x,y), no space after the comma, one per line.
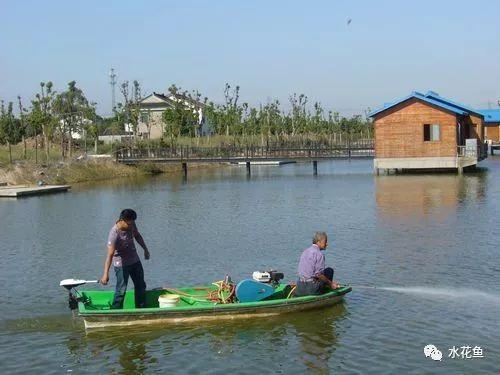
(348,55)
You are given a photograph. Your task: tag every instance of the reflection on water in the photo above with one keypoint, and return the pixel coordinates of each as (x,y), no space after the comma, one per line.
(319,344)
(44,323)
(313,334)
(415,196)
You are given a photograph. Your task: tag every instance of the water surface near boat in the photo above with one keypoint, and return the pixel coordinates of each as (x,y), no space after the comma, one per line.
(435,234)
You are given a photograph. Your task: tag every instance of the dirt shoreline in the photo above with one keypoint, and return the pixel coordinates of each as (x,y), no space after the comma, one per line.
(72,172)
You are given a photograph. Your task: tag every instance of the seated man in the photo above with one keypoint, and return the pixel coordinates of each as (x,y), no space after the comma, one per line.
(314,278)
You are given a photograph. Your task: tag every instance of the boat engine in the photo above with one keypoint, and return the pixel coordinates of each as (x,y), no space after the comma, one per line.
(72,301)
(261,286)
(270,276)
(73,295)
(73,298)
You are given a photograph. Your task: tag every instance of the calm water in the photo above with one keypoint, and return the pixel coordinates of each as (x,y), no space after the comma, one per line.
(428,243)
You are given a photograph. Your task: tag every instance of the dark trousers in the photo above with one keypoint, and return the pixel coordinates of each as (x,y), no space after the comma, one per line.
(328,272)
(314,287)
(136,272)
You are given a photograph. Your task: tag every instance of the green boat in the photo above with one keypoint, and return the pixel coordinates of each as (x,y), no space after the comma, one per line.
(193,304)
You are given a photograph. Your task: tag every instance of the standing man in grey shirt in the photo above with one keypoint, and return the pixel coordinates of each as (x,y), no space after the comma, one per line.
(126,263)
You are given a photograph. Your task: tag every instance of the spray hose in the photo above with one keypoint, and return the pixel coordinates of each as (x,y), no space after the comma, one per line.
(224,293)
(291,291)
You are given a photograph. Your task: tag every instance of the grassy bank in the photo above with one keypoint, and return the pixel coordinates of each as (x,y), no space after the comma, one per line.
(55,170)
(30,166)
(40,155)
(82,171)
(64,173)
(27,172)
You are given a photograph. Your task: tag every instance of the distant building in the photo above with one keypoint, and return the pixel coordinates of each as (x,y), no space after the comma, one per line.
(79,125)
(491,124)
(427,131)
(112,138)
(151,124)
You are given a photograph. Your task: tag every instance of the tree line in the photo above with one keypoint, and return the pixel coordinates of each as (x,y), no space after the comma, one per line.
(63,118)
(50,117)
(235,119)
(54,117)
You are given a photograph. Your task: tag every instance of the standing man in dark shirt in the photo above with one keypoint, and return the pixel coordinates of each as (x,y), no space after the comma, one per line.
(123,255)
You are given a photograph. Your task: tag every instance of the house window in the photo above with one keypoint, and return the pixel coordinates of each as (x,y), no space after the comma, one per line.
(145,117)
(431,132)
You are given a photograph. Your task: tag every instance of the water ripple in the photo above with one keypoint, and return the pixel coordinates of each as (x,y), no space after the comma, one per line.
(426,242)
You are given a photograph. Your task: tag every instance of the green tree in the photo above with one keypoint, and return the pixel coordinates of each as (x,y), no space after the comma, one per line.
(38,121)
(71,106)
(9,127)
(180,119)
(41,118)
(135,107)
(128,113)
(298,113)
(22,124)
(231,111)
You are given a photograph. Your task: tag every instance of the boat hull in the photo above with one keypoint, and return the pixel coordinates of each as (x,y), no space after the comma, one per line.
(208,312)
(173,317)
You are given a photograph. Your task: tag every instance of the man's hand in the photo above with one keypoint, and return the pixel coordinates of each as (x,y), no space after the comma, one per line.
(146,254)
(334,285)
(104,279)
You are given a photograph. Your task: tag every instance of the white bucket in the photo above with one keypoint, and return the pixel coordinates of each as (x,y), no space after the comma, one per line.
(168,300)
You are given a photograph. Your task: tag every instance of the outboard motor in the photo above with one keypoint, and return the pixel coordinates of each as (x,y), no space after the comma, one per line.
(260,287)
(73,297)
(270,276)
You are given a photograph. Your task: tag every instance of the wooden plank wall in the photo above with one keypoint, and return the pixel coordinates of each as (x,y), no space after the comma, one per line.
(399,132)
(492,132)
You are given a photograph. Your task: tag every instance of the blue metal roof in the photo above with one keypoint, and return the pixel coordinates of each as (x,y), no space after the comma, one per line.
(417,95)
(436,96)
(490,115)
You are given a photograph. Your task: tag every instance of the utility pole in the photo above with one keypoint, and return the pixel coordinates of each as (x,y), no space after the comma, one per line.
(112,76)
(21,113)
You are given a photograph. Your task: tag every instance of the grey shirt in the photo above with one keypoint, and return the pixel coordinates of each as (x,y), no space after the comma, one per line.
(123,241)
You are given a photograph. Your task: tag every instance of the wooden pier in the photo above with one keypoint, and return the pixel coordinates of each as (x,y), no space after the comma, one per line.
(248,155)
(17,191)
